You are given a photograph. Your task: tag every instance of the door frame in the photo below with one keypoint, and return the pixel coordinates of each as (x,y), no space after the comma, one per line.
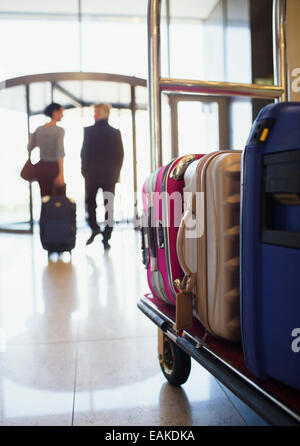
(54,79)
(223,115)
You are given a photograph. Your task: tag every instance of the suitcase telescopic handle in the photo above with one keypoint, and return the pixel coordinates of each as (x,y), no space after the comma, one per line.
(145,249)
(151,234)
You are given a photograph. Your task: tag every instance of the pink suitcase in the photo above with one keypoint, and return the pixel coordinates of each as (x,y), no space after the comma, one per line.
(163,208)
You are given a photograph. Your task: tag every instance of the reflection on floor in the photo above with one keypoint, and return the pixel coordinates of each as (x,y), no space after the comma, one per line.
(74,349)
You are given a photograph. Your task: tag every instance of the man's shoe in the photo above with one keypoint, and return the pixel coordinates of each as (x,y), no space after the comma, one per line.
(91,239)
(106,244)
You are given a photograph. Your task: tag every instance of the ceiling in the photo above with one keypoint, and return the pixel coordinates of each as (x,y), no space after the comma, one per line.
(68,9)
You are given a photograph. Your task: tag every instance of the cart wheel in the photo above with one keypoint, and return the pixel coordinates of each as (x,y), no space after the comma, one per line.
(174,363)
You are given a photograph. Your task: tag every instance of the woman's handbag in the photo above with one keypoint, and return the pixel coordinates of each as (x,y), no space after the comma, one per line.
(28,172)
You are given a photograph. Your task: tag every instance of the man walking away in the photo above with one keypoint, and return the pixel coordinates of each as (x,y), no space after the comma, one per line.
(102,156)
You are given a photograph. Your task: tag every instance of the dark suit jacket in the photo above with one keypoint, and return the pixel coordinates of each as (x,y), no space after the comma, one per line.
(102,152)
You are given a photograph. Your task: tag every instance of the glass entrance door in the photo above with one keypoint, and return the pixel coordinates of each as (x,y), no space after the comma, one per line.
(22,101)
(14,191)
(199,124)
(74,121)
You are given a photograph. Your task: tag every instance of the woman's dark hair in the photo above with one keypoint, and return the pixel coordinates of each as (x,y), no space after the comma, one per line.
(51,108)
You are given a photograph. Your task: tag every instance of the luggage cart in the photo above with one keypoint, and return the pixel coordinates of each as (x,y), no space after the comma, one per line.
(274,402)
(277,404)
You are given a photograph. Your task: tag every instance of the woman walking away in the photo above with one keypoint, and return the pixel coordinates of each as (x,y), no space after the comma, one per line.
(50,140)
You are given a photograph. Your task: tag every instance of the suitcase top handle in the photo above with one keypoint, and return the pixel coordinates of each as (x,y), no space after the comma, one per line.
(180,168)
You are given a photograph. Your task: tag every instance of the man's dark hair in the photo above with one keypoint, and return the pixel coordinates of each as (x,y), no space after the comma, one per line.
(51,108)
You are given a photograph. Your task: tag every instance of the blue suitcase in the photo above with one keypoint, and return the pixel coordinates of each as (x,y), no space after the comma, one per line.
(270,245)
(58,224)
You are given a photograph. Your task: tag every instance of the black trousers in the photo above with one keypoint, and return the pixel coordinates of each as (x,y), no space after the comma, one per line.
(46,172)
(92,185)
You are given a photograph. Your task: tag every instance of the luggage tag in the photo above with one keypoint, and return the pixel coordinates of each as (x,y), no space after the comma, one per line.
(184,302)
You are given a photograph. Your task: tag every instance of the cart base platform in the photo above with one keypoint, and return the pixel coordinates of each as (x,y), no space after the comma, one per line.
(277,403)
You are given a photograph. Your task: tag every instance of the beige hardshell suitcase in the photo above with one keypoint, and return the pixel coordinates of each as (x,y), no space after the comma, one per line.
(208,250)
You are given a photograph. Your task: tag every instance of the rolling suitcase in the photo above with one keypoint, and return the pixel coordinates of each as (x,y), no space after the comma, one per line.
(163,205)
(270,245)
(58,224)
(209,251)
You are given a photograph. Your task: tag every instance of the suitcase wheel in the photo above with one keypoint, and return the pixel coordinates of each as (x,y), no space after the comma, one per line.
(174,363)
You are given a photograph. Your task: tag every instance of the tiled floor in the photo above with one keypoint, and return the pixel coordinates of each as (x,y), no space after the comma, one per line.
(75,350)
